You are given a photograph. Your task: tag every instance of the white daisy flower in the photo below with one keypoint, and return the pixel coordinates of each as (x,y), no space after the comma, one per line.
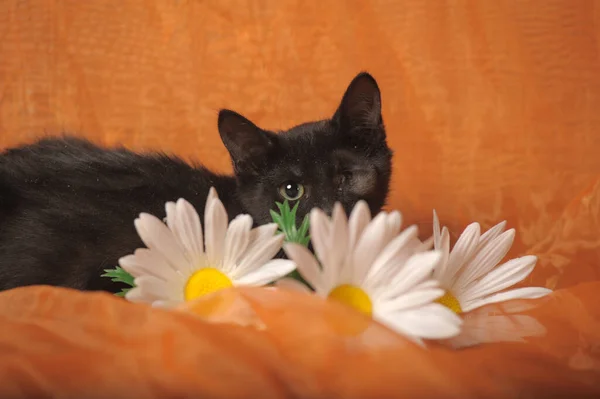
(470,273)
(183,262)
(370,266)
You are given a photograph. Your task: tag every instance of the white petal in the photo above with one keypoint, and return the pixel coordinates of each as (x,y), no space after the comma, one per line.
(506,275)
(394,223)
(257,255)
(358,220)
(307,265)
(237,239)
(491,234)
(416,269)
(320,233)
(262,232)
(168,304)
(412,299)
(390,259)
(485,260)
(518,293)
(136,295)
(132,266)
(440,272)
(368,247)
(436,231)
(188,229)
(212,196)
(291,284)
(215,224)
(425,245)
(337,245)
(432,321)
(267,273)
(171,218)
(157,236)
(415,245)
(427,284)
(173,225)
(152,288)
(144,261)
(462,252)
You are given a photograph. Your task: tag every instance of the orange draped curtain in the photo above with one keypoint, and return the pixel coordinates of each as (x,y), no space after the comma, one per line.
(492,109)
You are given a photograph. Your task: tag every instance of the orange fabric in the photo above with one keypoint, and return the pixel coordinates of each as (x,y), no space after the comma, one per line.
(62,343)
(491,108)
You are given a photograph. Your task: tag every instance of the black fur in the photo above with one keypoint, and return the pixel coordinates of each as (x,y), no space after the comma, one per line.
(67,206)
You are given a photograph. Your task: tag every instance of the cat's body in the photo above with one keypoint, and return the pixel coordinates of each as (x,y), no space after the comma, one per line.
(67,206)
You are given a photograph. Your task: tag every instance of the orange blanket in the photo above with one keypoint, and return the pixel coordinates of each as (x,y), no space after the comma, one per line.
(491,108)
(61,343)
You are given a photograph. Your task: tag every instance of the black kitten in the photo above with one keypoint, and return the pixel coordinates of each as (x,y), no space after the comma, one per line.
(67,206)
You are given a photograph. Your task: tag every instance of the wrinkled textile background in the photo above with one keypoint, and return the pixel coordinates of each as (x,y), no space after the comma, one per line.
(491,108)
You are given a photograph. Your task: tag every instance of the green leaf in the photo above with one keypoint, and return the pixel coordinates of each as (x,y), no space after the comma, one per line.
(286,220)
(304,227)
(276,217)
(293,215)
(280,206)
(119,275)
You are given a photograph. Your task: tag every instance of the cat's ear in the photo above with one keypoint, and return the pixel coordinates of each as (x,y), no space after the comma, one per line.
(247,144)
(360,109)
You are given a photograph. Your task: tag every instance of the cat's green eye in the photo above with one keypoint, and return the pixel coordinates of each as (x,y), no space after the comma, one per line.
(291,191)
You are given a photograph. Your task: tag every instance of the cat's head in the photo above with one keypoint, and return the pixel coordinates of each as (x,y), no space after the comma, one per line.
(342,159)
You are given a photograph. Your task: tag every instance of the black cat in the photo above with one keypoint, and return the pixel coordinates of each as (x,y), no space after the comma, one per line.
(67,206)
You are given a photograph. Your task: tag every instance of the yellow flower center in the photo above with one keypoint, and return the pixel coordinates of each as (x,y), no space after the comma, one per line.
(205,281)
(352,296)
(450,301)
